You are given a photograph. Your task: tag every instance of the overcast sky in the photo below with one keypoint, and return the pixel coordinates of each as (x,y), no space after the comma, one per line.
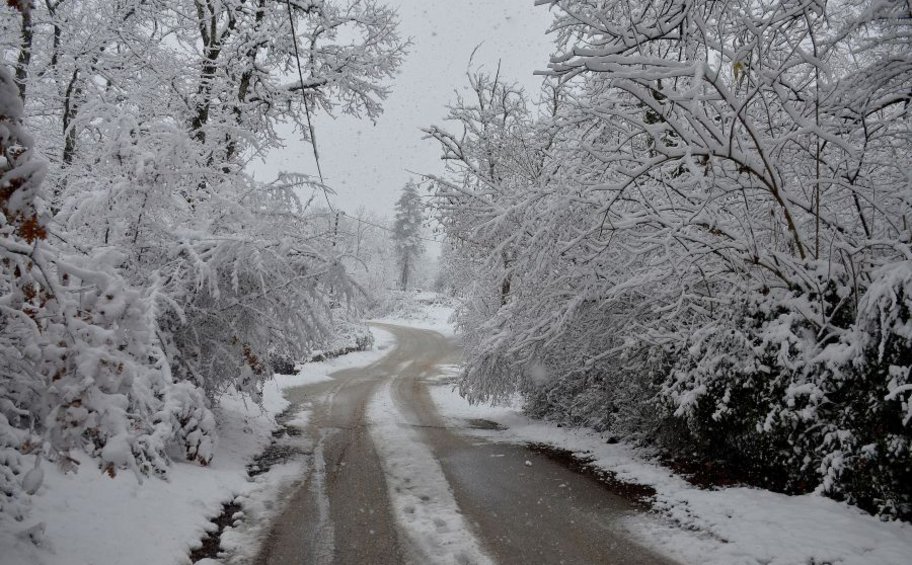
(366,163)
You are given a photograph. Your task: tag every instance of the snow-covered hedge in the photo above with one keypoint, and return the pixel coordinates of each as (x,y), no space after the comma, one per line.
(794,408)
(348,337)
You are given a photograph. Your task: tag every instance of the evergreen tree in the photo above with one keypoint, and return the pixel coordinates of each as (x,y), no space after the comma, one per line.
(407,231)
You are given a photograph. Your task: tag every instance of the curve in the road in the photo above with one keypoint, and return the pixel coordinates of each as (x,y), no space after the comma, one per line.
(359,505)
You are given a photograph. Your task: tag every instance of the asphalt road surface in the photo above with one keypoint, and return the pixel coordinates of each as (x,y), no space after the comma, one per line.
(543,513)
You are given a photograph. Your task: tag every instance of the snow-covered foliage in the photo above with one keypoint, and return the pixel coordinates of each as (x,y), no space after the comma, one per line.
(82,366)
(704,220)
(152,273)
(369,250)
(366,241)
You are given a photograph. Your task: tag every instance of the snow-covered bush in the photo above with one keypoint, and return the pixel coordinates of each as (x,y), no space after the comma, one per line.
(348,337)
(792,408)
(743,384)
(82,364)
(866,384)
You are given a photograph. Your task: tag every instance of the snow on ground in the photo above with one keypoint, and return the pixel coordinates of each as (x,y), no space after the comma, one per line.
(313,373)
(433,313)
(419,492)
(89,518)
(731,526)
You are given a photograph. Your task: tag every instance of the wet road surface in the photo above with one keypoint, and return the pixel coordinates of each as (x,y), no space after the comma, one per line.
(521,514)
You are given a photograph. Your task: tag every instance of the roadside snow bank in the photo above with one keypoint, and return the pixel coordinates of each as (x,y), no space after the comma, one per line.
(88,518)
(429,312)
(731,526)
(314,373)
(91,518)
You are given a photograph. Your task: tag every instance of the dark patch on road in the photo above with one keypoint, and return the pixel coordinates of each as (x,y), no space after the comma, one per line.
(274,454)
(212,544)
(641,495)
(482,424)
(712,475)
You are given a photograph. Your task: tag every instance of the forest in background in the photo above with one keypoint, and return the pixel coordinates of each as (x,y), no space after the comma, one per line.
(697,236)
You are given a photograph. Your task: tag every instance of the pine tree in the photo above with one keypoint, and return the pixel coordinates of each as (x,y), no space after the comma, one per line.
(407,231)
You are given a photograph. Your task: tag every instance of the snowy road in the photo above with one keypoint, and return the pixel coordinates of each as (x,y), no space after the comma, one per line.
(393,484)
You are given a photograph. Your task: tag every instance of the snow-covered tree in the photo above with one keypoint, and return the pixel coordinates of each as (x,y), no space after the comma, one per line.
(370,257)
(704,222)
(148,156)
(154,273)
(82,364)
(407,227)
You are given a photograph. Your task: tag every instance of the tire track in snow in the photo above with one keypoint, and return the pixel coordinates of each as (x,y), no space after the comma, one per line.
(421,497)
(325,539)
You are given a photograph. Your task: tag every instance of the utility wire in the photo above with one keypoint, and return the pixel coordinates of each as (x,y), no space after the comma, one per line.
(313,139)
(310,126)
(384,228)
(307,110)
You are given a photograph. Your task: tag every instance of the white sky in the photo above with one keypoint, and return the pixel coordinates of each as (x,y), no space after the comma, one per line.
(367,164)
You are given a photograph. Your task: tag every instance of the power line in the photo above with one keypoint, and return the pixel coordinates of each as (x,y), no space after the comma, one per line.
(313,141)
(310,126)
(384,228)
(372,224)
